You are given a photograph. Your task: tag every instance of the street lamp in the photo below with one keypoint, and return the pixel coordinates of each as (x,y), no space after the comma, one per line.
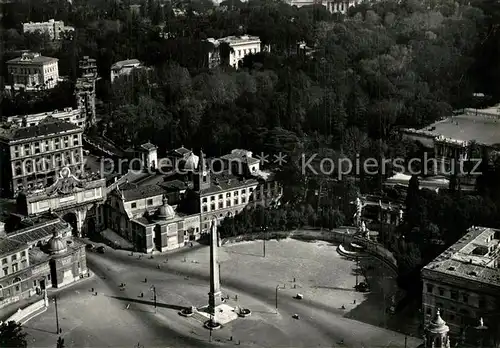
(264,230)
(277,288)
(153,288)
(57,316)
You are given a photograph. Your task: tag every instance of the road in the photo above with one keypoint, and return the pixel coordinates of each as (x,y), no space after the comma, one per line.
(180,283)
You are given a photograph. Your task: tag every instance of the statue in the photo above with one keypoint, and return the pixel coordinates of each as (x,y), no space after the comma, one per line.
(359,211)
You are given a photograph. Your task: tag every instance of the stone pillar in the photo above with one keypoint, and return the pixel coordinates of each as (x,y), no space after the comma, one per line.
(214,296)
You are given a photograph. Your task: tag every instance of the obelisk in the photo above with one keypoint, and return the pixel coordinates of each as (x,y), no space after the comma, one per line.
(214,296)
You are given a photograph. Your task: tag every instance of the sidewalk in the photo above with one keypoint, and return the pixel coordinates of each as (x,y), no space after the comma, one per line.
(116,239)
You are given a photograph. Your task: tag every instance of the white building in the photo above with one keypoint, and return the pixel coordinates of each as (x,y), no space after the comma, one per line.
(241,46)
(124,68)
(52,27)
(75,116)
(32,70)
(333,6)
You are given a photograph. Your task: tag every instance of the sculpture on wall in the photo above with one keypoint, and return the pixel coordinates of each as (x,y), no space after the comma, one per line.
(65,184)
(359,212)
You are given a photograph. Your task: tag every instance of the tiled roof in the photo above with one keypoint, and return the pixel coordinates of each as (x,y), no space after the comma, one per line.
(226,182)
(48,126)
(180,152)
(9,246)
(240,155)
(142,192)
(38,232)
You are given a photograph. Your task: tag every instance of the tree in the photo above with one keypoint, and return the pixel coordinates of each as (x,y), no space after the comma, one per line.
(12,335)
(60,342)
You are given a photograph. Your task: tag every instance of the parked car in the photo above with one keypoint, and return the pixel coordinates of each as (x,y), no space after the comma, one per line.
(101,250)
(89,246)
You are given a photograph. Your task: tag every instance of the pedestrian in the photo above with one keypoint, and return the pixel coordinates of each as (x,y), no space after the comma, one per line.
(95,293)
(231,338)
(92,289)
(236,297)
(354,302)
(343,307)
(158,266)
(145,280)
(142,294)
(294,279)
(128,305)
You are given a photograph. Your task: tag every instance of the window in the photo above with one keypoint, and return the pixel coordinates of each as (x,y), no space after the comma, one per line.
(15,268)
(212,206)
(243,191)
(23,264)
(4,261)
(212,198)
(441,292)
(428,311)
(236,201)
(439,306)
(133,205)
(204,200)
(243,200)
(250,189)
(228,194)
(221,205)
(150,202)
(205,208)
(228,203)
(236,193)
(48,276)
(454,295)
(34,282)
(221,196)
(465,298)
(14,257)
(5,271)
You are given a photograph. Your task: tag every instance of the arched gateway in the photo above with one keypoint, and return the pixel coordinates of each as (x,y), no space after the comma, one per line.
(76,200)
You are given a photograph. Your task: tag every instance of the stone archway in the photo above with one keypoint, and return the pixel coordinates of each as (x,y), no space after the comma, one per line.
(72,219)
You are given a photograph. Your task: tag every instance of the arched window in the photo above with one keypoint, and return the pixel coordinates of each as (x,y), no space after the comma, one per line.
(1,291)
(17,283)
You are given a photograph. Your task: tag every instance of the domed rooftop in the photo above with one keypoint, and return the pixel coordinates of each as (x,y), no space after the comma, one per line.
(57,244)
(191,162)
(438,325)
(166,212)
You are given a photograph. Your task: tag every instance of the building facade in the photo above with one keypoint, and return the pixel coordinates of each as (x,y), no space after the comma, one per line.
(241,46)
(124,68)
(40,256)
(333,6)
(32,156)
(463,282)
(54,29)
(33,71)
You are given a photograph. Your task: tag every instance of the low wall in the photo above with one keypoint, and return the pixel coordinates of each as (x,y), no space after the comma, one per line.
(24,314)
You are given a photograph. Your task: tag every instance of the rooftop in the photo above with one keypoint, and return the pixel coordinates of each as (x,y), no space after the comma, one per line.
(474,257)
(482,128)
(32,58)
(9,246)
(243,156)
(225,182)
(235,40)
(38,232)
(47,126)
(131,193)
(124,63)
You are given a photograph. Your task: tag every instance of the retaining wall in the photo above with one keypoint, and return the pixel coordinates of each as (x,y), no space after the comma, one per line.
(24,314)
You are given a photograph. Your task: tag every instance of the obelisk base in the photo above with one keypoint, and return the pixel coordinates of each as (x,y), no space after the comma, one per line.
(214,300)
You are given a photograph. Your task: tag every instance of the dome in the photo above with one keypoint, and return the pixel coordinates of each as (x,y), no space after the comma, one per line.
(57,245)
(191,162)
(438,325)
(166,212)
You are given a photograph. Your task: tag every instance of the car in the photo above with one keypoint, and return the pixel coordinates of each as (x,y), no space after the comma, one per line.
(89,246)
(363,287)
(101,250)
